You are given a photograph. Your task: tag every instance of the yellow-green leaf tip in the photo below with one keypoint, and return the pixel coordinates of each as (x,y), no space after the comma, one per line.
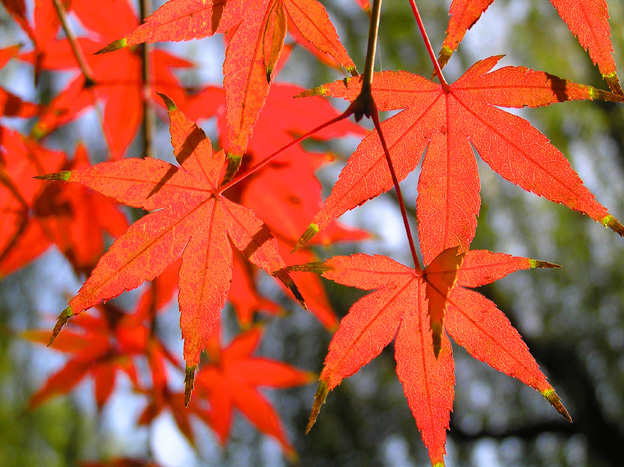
(536,263)
(62,319)
(63,176)
(118,44)
(319,400)
(168,102)
(555,401)
(317,91)
(233,163)
(353,71)
(38,131)
(614,83)
(614,224)
(318,267)
(438,464)
(310,232)
(189,380)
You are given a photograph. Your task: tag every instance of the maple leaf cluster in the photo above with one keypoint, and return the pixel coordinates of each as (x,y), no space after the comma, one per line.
(220,215)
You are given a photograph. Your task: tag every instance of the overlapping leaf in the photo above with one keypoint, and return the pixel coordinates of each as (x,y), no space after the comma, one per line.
(587,19)
(257,31)
(21,236)
(37,215)
(447,124)
(231,379)
(286,193)
(118,79)
(403,306)
(192,219)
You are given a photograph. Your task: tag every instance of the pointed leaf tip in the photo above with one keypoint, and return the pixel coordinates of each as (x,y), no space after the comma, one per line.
(536,263)
(436,330)
(552,397)
(317,267)
(189,380)
(319,400)
(63,176)
(283,276)
(614,83)
(168,102)
(613,224)
(317,91)
(118,44)
(62,319)
(310,232)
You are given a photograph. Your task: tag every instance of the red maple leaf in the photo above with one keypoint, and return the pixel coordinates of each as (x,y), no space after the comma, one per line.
(71,217)
(257,29)
(118,82)
(587,19)
(286,193)
(22,237)
(231,379)
(404,304)
(447,124)
(192,219)
(108,344)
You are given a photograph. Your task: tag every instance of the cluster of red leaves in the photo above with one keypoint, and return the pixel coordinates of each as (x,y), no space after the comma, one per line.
(76,219)
(225,226)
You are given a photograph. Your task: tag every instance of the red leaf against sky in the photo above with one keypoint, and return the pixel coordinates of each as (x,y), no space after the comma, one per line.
(118,79)
(447,125)
(103,346)
(231,379)
(10,104)
(257,30)
(93,351)
(192,219)
(587,19)
(401,309)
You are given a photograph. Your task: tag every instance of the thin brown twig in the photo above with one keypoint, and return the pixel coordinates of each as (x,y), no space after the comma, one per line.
(149,116)
(76,49)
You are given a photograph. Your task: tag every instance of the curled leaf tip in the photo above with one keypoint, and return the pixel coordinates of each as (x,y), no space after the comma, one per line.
(318,267)
(168,102)
(63,176)
(536,263)
(189,380)
(118,44)
(62,319)
(614,224)
(552,397)
(310,232)
(319,400)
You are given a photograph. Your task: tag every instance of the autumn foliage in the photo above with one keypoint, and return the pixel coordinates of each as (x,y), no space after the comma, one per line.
(249,200)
